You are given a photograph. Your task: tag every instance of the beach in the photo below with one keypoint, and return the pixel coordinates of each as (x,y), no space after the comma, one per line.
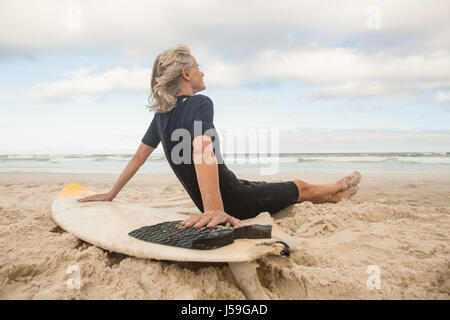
(395,228)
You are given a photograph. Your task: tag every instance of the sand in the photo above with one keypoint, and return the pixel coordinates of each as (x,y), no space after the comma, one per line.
(397,224)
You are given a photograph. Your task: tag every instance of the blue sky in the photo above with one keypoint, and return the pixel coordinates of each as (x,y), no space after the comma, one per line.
(315,73)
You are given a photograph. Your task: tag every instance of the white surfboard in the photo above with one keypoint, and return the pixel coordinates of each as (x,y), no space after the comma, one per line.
(107,224)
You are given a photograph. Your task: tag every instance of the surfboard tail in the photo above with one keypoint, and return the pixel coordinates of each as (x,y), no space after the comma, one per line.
(72,190)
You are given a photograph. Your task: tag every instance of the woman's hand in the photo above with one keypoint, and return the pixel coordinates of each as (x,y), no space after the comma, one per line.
(212,219)
(96,197)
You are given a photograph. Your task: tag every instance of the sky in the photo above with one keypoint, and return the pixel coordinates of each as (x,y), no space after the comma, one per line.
(322,76)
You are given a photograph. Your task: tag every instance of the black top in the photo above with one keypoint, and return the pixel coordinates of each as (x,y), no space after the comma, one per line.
(163,128)
(241,198)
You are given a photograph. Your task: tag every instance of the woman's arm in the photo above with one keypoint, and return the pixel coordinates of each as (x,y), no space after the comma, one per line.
(139,158)
(205,163)
(208,181)
(133,166)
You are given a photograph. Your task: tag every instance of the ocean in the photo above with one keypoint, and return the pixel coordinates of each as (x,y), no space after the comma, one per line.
(404,162)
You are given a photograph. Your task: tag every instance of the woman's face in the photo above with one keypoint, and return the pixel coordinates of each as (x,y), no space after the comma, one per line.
(196,77)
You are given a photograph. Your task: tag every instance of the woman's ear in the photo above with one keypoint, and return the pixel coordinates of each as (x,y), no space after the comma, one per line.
(184,73)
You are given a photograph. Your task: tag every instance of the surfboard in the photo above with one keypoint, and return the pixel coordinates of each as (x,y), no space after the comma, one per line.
(107,225)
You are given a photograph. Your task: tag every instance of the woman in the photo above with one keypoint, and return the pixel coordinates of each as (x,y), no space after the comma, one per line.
(215,190)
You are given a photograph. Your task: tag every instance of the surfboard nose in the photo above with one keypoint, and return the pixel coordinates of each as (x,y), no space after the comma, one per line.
(72,190)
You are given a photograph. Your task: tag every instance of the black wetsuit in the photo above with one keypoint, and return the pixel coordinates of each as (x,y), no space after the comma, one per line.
(241,198)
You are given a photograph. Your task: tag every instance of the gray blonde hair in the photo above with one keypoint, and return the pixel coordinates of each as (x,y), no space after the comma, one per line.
(166,73)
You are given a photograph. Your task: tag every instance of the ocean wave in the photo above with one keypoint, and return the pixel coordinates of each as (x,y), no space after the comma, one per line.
(412,158)
(427,160)
(256,159)
(24,158)
(286,158)
(348,159)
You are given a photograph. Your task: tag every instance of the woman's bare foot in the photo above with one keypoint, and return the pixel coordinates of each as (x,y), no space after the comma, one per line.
(321,193)
(349,181)
(344,195)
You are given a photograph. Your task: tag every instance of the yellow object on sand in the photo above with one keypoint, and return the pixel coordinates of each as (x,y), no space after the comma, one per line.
(73,190)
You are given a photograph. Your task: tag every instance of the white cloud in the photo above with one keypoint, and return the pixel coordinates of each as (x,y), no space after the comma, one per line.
(332,72)
(139,27)
(302,41)
(78,73)
(443,97)
(343,72)
(83,83)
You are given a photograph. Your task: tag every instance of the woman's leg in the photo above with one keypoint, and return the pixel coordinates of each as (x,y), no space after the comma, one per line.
(260,196)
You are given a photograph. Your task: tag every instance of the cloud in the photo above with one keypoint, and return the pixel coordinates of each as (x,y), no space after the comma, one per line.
(323,45)
(239,28)
(82,83)
(78,73)
(328,72)
(442,97)
(344,72)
